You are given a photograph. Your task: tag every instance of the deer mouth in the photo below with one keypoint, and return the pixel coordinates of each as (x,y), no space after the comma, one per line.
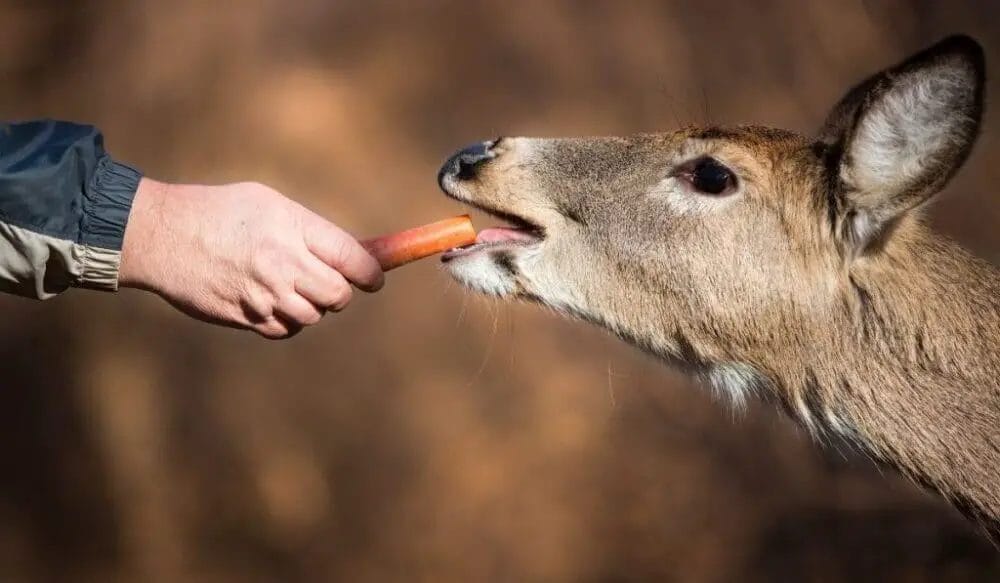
(519,232)
(462,178)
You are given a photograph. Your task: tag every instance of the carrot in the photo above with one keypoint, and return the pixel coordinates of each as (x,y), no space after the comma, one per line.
(406,246)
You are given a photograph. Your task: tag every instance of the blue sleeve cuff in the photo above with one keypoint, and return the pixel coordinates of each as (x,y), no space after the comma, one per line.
(107,202)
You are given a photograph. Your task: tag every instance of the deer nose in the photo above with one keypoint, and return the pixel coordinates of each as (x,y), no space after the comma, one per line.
(464,164)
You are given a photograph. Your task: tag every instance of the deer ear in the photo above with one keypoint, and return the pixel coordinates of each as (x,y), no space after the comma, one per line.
(895,139)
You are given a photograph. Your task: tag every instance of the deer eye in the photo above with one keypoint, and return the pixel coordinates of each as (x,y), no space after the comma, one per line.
(709,176)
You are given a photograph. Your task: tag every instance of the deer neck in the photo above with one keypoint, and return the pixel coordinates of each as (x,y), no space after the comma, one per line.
(910,368)
(905,362)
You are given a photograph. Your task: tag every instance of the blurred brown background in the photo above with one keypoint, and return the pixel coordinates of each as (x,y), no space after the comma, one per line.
(424,434)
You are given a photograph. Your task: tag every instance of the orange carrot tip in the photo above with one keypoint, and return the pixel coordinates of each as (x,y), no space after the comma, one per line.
(410,245)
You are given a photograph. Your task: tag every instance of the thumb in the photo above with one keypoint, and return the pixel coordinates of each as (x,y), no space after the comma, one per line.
(335,247)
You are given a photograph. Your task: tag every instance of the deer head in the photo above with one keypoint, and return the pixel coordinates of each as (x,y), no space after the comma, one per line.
(761,259)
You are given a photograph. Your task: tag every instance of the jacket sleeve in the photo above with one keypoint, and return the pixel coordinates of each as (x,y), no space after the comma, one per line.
(64,204)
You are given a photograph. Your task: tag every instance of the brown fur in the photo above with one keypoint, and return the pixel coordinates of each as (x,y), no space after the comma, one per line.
(828,294)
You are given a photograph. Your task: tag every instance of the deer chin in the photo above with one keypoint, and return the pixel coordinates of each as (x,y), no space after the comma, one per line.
(480,271)
(492,265)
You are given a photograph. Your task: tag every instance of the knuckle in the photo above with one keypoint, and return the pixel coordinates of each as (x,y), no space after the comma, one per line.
(274,276)
(267,332)
(259,306)
(341,296)
(273,249)
(342,250)
(261,262)
(299,310)
(272,330)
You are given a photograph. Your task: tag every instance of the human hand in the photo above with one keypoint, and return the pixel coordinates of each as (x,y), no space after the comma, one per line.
(241,255)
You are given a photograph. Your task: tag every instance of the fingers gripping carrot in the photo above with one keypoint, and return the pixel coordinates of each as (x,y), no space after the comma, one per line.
(413,244)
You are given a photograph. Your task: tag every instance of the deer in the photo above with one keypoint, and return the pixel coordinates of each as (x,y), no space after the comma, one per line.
(764,262)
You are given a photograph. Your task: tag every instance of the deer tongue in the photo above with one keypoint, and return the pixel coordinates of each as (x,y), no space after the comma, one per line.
(505,234)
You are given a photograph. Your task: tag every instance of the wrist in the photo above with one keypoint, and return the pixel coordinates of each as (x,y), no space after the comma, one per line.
(139,247)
